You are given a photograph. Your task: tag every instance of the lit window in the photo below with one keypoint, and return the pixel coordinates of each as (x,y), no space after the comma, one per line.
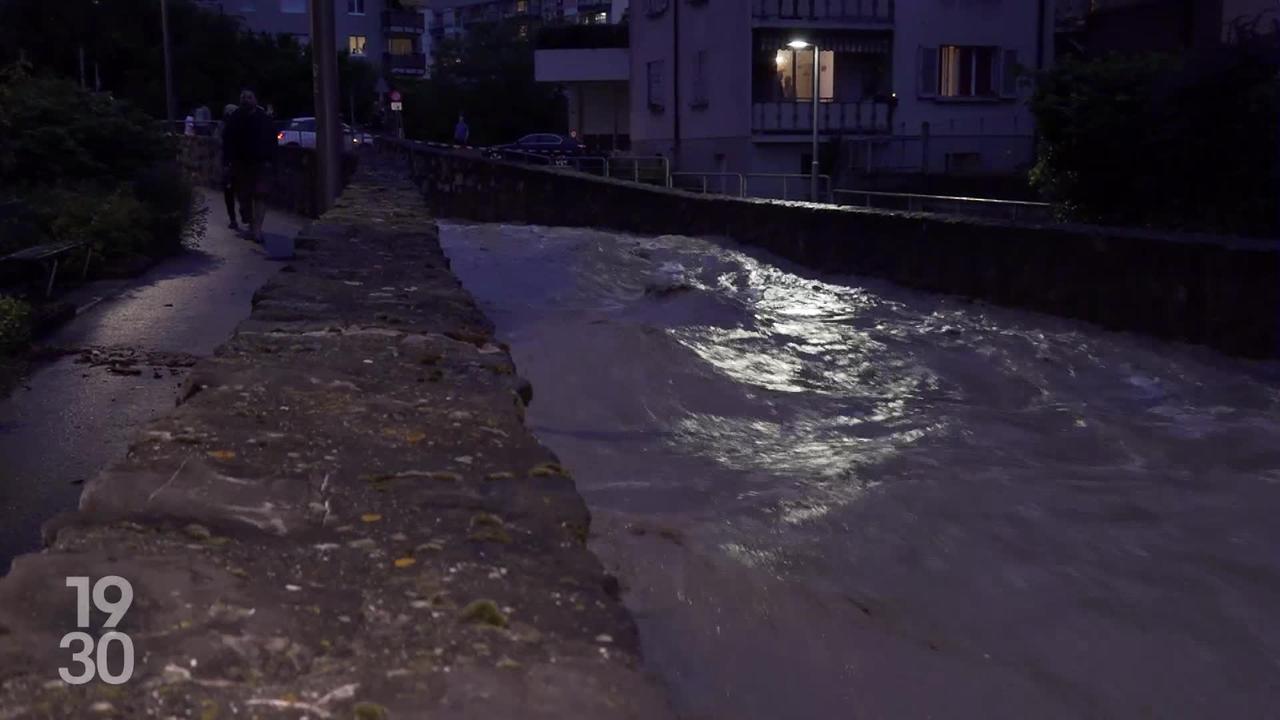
(355,7)
(522,6)
(966,71)
(356,43)
(795,74)
(400,46)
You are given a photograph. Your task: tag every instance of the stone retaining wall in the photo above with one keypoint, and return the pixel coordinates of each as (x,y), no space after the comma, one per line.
(345,517)
(1221,292)
(294,185)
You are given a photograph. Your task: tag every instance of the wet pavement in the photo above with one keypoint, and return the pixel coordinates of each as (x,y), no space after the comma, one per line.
(70,417)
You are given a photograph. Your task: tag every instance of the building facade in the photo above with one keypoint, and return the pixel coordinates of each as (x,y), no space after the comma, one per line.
(382,32)
(904,85)
(452,17)
(591,62)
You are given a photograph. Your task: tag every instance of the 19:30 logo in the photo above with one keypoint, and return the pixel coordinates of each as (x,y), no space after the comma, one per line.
(94,655)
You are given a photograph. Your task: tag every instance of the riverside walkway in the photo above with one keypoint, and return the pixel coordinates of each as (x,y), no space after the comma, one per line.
(344,517)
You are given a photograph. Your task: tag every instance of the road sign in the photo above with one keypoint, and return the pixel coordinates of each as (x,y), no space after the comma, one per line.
(397,106)
(395,96)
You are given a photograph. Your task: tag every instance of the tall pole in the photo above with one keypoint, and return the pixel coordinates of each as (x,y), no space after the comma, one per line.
(170,104)
(813,168)
(324,75)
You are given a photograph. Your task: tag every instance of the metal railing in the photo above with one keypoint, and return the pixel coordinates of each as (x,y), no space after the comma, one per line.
(860,11)
(783,117)
(653,170)
(702,183)
(949,204)
(787,182)
(784,186)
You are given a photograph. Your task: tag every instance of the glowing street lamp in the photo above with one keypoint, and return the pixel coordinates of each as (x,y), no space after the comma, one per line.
(800,44)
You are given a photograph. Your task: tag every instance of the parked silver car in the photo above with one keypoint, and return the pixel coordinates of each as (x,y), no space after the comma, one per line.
(301,132)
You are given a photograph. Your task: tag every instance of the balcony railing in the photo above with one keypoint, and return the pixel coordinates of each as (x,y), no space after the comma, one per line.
(403,21)
(836,11)
(581,37)
(795,118)
(412,64)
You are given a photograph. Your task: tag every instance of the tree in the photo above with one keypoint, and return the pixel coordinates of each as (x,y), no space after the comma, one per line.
(1178,142)
(213,57)
(487,75)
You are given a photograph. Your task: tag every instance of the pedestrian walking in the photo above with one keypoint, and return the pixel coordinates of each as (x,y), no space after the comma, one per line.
(204,120)
(249,144)
(461,133)
(228,178)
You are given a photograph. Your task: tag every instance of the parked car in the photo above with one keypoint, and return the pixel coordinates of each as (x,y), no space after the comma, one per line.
(542,144)
(301,132)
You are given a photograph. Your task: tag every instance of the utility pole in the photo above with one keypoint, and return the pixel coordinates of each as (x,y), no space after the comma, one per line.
(813,165)
(170,104)
(324,74)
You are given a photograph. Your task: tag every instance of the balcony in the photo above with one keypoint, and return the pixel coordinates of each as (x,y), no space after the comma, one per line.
(859,117)
(403,22)
(411,64)
(824,12)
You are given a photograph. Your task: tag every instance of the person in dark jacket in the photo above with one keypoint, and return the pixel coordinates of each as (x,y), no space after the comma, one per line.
(248,148)
(229,193)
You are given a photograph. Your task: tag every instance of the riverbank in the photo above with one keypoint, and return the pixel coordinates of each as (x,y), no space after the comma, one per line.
(345,516)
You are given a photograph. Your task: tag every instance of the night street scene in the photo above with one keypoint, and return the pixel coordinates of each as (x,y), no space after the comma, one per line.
(649,360)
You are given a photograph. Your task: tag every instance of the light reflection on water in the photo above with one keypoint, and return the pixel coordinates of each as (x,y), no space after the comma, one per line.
(834,498)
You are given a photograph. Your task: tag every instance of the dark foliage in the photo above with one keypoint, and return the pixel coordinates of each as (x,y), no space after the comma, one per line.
(86,167)
(1176,142)
(213,57)
(487,75)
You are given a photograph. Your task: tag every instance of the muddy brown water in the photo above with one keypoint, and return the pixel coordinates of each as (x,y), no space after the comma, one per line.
(828,497)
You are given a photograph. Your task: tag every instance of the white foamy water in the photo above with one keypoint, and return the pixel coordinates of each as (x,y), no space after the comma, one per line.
(828,497)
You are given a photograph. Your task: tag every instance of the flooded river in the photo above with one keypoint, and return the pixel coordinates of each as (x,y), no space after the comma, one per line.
(828,497)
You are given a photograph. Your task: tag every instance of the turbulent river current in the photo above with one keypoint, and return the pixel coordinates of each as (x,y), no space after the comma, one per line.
(829,497)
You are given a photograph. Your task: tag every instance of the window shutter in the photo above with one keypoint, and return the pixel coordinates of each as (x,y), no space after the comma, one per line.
(928,75)
(1009,74)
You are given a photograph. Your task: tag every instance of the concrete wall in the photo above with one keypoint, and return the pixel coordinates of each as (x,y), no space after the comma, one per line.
(1220,292)
(581,65)
(1005,24)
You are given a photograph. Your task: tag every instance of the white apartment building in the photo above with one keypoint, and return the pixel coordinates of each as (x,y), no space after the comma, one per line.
(904,85)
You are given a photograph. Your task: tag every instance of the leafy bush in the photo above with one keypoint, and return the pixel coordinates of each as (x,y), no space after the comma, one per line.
(1186,143)
(61,132)
(90,168)
(171,199)
(15,325)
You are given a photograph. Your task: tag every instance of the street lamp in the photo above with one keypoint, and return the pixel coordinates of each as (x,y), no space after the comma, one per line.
(799,44)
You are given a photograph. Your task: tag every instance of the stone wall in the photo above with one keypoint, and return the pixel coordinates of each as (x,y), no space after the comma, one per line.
(345,517)
(1221,292)
(294,185)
